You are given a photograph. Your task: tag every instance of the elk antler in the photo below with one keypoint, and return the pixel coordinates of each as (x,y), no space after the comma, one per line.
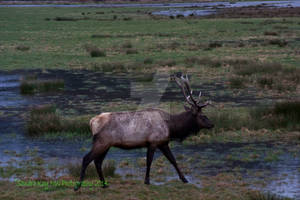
(185,91)
(184,84)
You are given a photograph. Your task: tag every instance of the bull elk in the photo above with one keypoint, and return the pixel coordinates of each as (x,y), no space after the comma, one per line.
(150,128)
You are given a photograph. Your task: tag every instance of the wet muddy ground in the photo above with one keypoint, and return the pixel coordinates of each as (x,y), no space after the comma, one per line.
(270,167)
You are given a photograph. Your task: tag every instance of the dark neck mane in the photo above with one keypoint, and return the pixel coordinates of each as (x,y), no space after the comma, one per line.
(182,125)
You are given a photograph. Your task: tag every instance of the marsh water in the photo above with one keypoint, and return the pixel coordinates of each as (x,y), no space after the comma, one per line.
(274,165)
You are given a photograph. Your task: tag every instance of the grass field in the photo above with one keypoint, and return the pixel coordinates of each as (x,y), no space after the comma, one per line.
(58,37)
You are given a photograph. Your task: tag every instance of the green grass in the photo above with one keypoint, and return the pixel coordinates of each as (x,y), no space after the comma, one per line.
(58,44)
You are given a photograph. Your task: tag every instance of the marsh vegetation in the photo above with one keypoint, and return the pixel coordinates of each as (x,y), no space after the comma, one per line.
(31,85)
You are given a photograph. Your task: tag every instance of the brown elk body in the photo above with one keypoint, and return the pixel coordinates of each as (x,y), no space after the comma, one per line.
(150,128)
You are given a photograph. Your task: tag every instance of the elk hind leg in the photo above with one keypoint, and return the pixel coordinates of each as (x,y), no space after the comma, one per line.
(96,151)
(98,163)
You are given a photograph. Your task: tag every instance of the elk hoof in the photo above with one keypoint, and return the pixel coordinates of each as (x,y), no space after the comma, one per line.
(77,186)
(184,180)
(104,184)
(147,182)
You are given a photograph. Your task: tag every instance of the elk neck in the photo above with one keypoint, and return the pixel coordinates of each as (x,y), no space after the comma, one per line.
(182,125)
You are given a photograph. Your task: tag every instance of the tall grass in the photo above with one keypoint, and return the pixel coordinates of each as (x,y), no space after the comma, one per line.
(30,86)
(282,115)
(45,120)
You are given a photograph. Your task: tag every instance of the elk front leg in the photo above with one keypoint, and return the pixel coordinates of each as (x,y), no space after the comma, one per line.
(167,152)
(150,153)
(98,163)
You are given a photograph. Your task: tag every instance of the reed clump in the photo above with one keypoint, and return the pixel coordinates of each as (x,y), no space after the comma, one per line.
(45,119)
(31,85)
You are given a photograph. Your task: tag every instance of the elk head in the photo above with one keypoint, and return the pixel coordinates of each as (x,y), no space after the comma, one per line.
(196,106)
